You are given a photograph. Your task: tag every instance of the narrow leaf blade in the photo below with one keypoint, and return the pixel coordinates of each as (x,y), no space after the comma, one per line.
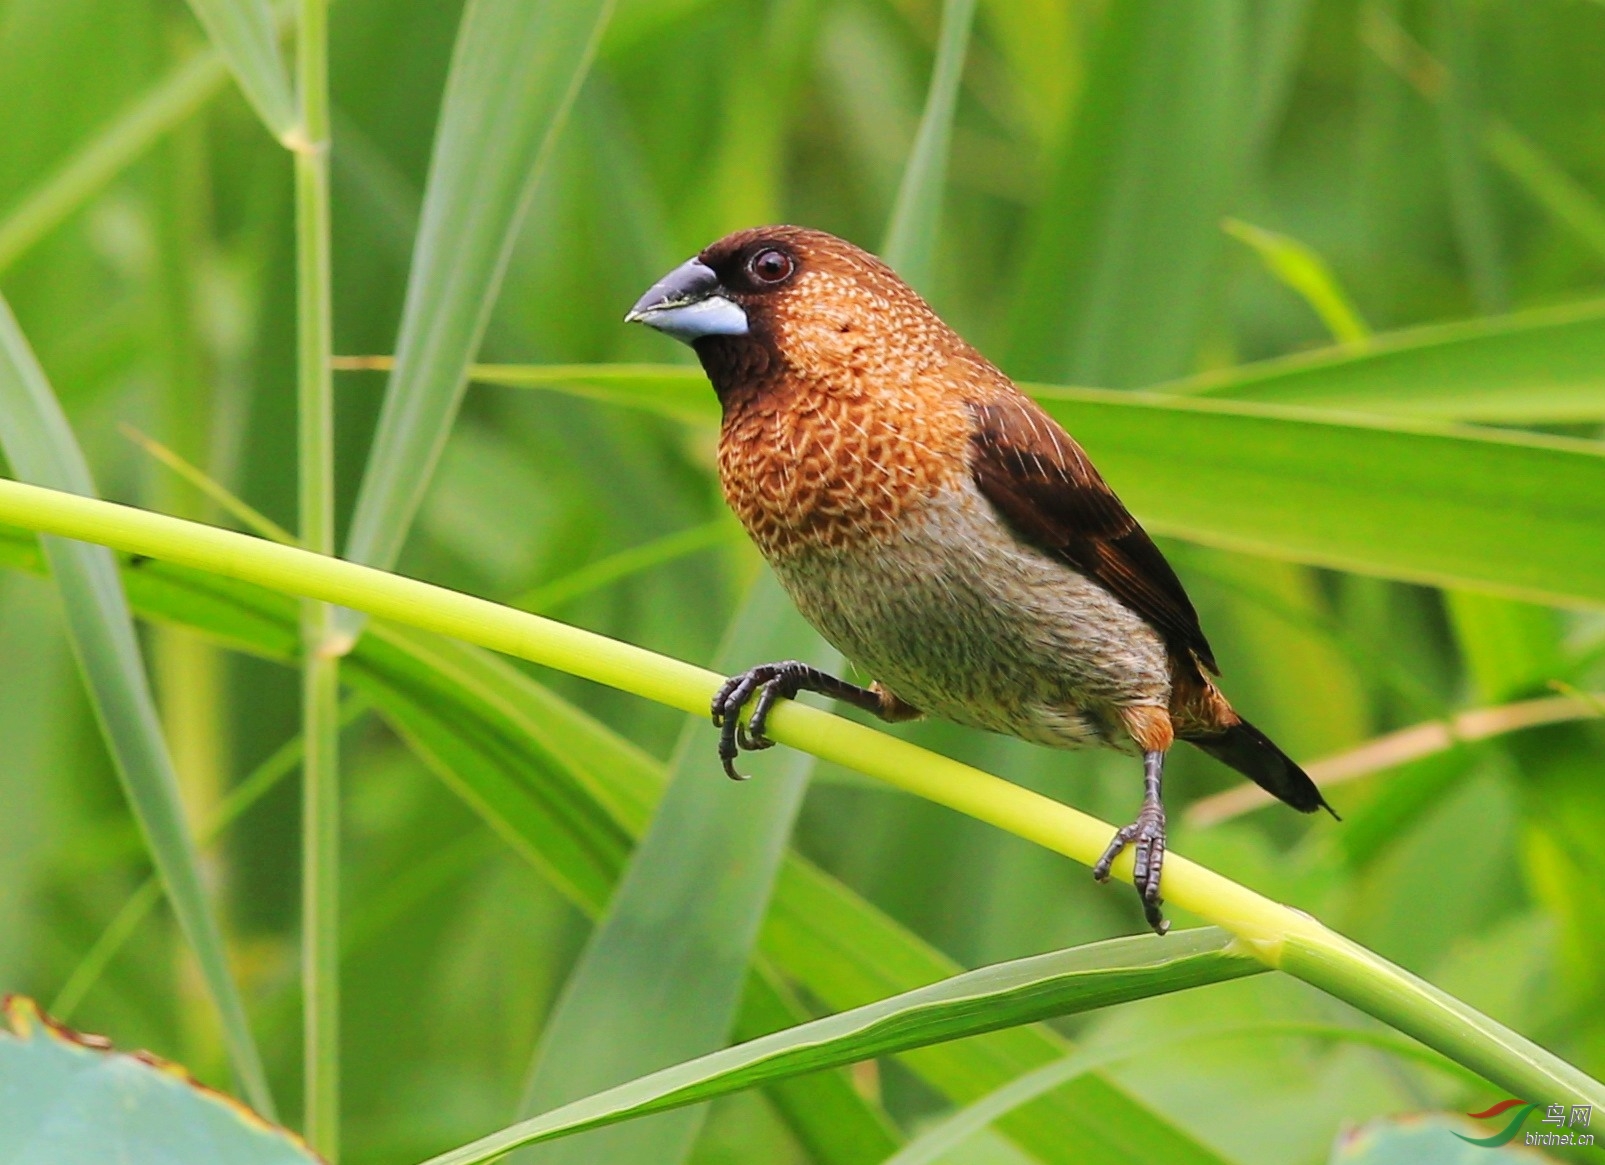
(41,448)
(1004,995)
(87,171)
(1126,238)
(911,235)
(661,978)
(566,792)
(1497,511)
(243,31)
(514,72)
(1534,367)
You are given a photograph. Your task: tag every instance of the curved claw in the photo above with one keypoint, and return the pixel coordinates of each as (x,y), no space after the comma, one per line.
(1147,837)
(727,705)
(769,682)
(751,740)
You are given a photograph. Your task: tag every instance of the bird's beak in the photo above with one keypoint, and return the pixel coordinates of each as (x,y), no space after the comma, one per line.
(688,303)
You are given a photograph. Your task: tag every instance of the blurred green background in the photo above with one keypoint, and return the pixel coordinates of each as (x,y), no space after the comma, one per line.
(1445,159)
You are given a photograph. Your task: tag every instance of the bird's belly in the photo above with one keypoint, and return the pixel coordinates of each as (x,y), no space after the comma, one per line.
(960,619)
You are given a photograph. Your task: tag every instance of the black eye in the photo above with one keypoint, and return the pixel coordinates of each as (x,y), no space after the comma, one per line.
(770,265)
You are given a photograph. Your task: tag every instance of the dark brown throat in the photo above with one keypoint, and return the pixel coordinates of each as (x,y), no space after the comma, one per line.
(738,366)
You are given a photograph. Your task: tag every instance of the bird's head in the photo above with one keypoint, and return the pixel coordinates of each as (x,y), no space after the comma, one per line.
(772,301)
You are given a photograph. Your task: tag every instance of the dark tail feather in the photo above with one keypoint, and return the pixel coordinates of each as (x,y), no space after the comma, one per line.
(1249,751)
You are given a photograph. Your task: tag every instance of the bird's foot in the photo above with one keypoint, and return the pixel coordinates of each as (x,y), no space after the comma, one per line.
(1147,837)
(770,682)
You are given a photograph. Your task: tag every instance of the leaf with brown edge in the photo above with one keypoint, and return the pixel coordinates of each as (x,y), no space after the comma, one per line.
(65,1096)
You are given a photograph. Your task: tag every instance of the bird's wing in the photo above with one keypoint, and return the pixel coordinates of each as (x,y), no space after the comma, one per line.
(1044,486)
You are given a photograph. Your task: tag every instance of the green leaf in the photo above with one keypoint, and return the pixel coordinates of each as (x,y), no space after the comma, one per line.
(911,236)
(41,448)
(1113,290)
(547,596)
(941,1136)
(515,69)
(244,33)
(661,978)
(834,1122)
(1533,367)
(567,794)
(1530,368)
(848,953)
(66,1097)
(1007,994)
(677,391)
(1301,268)
(1504,512)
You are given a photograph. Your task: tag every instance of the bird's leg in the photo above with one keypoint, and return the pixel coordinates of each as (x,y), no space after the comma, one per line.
(1148,834)
(774,681)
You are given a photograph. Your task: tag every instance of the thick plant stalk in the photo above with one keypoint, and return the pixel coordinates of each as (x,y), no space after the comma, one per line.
(320,671)
(1278,936)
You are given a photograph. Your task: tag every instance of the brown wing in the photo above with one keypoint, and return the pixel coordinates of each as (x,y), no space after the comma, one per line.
(1042,483)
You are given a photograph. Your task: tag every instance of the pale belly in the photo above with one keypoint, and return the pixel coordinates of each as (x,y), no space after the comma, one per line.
(960,619)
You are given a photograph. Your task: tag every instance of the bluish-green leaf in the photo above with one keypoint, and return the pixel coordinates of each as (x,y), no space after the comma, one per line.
(66,1098)
(1428,1139)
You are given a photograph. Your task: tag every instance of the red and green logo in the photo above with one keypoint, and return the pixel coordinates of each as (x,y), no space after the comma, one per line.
(1504,1136)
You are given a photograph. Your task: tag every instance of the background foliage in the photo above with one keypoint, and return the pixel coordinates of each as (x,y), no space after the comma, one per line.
(1436,161)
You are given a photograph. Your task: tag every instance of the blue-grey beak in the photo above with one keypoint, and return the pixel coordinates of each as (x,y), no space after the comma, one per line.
(688,303)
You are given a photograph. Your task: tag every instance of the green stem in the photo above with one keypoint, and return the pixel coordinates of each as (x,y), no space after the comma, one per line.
(1278,936)
(320,672)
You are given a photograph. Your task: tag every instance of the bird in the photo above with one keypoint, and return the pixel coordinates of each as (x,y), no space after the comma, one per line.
(941,530)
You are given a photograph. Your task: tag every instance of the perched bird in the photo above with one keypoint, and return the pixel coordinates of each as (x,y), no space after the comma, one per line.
(940,529)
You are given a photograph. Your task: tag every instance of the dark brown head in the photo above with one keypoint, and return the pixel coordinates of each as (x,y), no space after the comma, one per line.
(787,301)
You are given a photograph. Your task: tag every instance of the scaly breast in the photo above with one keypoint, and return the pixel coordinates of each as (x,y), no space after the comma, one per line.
(832,469)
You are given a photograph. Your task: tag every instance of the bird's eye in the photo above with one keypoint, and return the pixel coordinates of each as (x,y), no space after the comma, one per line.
(770,265)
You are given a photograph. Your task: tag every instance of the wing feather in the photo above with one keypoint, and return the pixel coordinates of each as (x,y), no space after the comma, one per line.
(1044,486)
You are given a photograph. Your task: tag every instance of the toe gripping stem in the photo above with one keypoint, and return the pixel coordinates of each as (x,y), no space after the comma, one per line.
(771,682)
(1147,836)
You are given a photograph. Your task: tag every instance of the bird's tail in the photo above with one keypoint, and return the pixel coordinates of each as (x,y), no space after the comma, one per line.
(1249,751)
